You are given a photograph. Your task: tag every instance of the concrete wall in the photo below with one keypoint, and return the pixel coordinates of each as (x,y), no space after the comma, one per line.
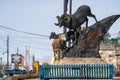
(108,53)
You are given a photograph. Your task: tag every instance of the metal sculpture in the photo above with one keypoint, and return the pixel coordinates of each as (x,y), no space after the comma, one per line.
(88,39)
(88,43)
(77,19)
(58,44)
(95,33)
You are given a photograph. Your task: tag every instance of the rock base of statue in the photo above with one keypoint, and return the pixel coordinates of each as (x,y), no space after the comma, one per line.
(78,60)
(88,53)
(87,45)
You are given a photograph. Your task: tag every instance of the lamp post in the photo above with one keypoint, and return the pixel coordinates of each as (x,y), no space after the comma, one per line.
(7,51)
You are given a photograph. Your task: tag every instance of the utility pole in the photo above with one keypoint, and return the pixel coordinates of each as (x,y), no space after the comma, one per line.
(7,51)
(0,60)
(70,12)
(64,12)
(70,7)
(33,61)
(27,56)
(17,50)
(16,64)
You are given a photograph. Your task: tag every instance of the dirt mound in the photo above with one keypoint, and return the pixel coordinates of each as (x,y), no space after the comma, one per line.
(66,60)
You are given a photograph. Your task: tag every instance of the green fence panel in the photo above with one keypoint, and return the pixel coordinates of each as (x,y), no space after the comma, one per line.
(83,71)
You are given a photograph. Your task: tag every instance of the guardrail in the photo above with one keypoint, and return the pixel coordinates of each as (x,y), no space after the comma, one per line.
(89,71)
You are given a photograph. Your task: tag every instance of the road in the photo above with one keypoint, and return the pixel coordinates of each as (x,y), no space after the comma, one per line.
(117,78)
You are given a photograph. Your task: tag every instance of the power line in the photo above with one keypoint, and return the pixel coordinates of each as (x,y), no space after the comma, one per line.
(114,34)
(23,31)
(24,42)
(19,36)
(31,46)
(36,43)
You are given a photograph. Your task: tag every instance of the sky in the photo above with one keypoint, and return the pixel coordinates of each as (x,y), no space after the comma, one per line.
(39,16)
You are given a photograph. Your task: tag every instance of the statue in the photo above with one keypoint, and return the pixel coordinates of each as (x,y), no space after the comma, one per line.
(88,44)
(88,39)
(76,20)
(58,44)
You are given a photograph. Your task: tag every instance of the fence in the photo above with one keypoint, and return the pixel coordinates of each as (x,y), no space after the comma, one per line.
(92,71)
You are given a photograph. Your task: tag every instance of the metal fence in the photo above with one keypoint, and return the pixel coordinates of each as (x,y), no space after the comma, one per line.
(89,71)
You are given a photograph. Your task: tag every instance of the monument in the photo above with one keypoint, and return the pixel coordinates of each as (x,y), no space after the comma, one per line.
(85,41)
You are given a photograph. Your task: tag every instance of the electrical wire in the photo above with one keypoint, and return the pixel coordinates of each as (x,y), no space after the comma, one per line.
(114,34)
(19,36)
(24,42)
(31,42)
(23,31)
(31,46)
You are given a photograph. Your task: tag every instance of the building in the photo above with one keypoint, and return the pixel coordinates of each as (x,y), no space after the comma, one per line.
(109,52)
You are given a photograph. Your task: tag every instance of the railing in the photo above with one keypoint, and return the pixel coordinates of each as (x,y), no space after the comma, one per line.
(89,71)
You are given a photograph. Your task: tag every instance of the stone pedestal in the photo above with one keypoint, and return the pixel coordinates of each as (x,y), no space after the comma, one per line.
(73,61)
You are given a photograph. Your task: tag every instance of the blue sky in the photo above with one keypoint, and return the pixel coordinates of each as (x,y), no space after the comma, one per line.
(39,16)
